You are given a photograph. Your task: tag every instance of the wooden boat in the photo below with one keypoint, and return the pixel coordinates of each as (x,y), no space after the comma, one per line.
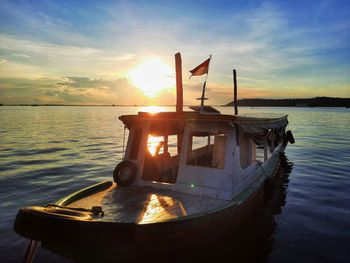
(187,179)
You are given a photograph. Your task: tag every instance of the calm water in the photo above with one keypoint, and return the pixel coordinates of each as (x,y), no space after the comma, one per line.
(48,152)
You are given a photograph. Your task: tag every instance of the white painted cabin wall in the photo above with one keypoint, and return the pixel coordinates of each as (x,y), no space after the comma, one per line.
(256,172)
(205,181)
(141,154)
(212,182)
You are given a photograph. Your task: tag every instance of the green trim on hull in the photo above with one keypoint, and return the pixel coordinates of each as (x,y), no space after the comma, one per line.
(84,193)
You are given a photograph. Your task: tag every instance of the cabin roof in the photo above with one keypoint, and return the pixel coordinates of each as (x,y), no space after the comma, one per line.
(179,119)
(174,116)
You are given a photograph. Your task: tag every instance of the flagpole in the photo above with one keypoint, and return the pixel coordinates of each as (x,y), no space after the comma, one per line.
(204,85)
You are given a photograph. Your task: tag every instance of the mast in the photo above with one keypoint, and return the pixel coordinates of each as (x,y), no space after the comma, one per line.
(235,92)
(179,92)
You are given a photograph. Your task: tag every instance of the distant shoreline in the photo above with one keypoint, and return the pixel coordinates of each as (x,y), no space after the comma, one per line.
(307,102)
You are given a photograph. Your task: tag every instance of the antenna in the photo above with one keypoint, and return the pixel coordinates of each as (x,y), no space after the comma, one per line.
(203,98)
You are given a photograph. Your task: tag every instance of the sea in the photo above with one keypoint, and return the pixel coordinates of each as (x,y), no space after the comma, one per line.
(47,152)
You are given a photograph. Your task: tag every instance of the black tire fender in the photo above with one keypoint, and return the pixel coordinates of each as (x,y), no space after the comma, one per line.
(124,173)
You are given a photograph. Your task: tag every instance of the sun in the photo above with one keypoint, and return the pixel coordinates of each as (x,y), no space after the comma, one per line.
(151,77)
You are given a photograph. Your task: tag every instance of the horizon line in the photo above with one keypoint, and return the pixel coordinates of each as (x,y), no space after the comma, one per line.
(163,105)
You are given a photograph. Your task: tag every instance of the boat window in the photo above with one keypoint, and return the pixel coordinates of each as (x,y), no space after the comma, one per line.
(245,151)
(207,149)
(161,159)
(135,145)
(259,153)
(250,152)
(172,145)
(155,145)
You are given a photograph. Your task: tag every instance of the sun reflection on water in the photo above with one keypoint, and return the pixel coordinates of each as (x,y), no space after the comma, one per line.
(153,109)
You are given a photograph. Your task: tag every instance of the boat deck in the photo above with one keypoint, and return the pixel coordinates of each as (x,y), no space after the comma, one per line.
(143,205)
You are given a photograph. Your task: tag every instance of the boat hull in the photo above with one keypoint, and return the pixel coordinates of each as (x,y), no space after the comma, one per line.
(85,240)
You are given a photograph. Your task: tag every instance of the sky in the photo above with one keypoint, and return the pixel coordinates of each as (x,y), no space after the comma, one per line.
(122,52)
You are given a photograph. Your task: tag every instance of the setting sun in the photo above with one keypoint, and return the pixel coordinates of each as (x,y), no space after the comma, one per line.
(152,76)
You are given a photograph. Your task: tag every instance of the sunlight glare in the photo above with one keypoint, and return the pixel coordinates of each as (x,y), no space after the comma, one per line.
(151,77)
(159,208)
(153,109)
(153,142)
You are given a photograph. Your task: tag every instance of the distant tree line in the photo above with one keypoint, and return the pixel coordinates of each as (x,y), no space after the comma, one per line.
(311,102)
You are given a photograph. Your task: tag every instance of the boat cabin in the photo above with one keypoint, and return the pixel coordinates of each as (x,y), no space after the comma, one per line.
(196,153)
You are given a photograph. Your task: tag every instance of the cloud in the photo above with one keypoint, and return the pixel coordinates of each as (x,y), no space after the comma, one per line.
(20,55)
(69,90)
(56,60)
(96,91)
(88,83)
(275,49)
(31,22)
(13,90)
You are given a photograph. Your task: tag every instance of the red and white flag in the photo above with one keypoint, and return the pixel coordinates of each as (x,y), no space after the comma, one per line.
(201,69)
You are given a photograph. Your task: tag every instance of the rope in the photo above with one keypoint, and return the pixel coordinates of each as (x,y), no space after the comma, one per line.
(123,142)
(31,251)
